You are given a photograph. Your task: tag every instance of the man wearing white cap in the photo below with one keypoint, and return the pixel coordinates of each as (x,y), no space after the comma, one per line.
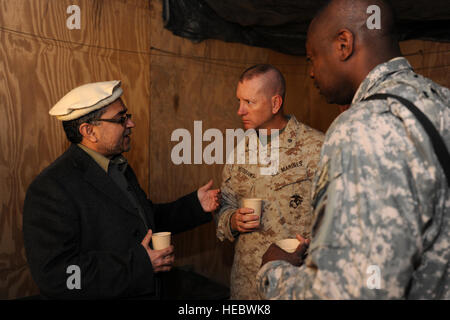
(87,223)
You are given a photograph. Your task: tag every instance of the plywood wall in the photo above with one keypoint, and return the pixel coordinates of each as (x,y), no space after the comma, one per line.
(40,61)
(169,83)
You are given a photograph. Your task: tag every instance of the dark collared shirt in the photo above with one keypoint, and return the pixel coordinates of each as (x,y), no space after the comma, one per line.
(115,168)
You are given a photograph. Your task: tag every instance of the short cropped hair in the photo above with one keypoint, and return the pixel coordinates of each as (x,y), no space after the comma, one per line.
(261,69)
(72,127)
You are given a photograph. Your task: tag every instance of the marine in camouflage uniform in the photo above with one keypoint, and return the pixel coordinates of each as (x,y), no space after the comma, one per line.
(381,200)
(286,202)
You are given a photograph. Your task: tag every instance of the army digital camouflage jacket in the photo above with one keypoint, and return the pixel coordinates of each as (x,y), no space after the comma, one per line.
(381,200)
(286,202)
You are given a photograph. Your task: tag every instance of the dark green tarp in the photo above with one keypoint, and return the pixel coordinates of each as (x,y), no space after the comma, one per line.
(281,24)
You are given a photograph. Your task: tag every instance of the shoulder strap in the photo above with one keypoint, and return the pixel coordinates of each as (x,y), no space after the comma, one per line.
(438,144)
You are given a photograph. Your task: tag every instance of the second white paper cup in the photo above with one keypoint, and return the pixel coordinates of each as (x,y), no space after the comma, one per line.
(161,240)
(253,203)
(288,245)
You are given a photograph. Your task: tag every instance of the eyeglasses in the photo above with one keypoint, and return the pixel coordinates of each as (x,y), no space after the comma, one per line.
(121,120)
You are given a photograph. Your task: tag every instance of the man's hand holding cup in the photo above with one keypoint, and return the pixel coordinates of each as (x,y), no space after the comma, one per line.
(163,259)
(247,218)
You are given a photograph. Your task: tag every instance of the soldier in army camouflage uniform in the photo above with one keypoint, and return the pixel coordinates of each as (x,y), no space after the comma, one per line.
(285,193)
(381,200)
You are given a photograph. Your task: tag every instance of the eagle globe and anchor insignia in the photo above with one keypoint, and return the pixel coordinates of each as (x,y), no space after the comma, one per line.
(296,200)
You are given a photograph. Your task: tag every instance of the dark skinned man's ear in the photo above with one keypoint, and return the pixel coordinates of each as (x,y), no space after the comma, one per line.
(345,42)
(87,132)
(277,101)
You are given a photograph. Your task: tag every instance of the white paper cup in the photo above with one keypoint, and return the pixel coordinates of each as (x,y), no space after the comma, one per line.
(288,245)
(253,203)
(161,240)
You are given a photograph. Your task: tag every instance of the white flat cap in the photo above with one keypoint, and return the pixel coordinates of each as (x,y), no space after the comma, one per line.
(86,98)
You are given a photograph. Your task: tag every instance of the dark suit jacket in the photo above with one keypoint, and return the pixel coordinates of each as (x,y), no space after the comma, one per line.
(74,214)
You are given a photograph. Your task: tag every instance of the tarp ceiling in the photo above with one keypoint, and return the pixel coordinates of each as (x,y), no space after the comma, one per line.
(281,24)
